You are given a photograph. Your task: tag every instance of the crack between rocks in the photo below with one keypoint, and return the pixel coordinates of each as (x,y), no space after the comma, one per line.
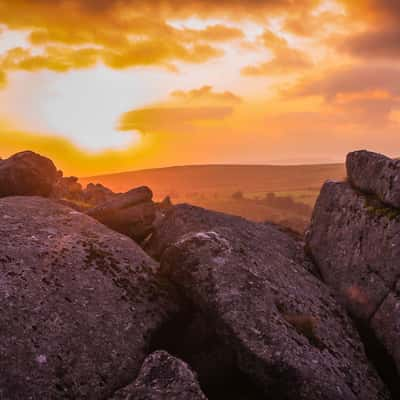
(391,290)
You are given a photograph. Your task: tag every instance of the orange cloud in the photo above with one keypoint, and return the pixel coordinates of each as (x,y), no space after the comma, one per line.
(349,79)
(184,111)
(161,8)
(3,79)
(373,44)
(219,33)
(53,58)
(310,24)
(362,95)
(379,35)
(159,52)
(128,33)
(374,10)
(285,59)
(122,34)
(171,119)
(205,94)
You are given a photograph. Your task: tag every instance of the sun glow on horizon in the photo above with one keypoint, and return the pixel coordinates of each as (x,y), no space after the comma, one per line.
(138,84)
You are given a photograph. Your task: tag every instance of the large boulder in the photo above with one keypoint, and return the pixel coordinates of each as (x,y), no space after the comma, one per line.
(376,174)
(27,174)
(163,377)
(355,240)
(131,213)
(79,303)
(252,281)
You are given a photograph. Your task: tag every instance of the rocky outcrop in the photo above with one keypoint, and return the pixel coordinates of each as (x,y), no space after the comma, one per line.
(375,174)
(163,377)
(355,241)
(131,213)
(96,194)
(27,174)
(68,188)
(285,330)
(80,303)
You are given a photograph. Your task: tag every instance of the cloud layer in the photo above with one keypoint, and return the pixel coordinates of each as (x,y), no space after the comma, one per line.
(246,80)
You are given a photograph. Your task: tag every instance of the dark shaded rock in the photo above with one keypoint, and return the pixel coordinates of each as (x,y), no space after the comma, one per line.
(386,324)
(68,188)
(355,241)
(376,174)
(97,194)
(131,213)
(163,377)
(165,205)
(26,174)
(79,303)
(287,332)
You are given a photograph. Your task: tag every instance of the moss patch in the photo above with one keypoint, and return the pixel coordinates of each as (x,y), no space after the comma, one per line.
(377,208)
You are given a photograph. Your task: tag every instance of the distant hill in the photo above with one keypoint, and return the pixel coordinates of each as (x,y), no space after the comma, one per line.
(280,194)
(182,182)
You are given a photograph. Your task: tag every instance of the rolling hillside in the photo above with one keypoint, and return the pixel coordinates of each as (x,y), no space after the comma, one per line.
(235,189)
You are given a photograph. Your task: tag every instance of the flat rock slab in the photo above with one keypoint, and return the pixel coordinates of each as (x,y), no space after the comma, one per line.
(376,174)
(131,213)
(123,201)
(163,377)
(79,303)
(355,240)
(287,331)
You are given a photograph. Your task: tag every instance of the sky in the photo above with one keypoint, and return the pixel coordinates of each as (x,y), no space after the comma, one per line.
(103,86)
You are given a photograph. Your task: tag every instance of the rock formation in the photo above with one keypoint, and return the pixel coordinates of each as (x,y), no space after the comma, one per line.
(242,310)
(97,194)
(254,284)
(375,174)
(68,188)
(131,213)
(79,303)
(27,174)
(354,239)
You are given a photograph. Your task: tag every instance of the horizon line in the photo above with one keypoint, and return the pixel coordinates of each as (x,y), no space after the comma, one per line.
(213,165)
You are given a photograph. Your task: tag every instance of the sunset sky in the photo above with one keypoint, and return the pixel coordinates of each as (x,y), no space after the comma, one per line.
(113,85)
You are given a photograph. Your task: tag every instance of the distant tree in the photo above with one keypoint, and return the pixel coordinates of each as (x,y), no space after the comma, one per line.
(238,195)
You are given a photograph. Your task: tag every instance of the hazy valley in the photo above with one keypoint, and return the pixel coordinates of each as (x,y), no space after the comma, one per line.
(236,189)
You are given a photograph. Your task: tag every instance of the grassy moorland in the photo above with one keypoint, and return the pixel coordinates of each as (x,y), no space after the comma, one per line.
(281,194)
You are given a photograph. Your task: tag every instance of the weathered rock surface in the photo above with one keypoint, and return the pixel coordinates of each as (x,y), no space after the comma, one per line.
(68,188)
(376,174)
(97,194)
(355,240)
(131,213)
(79,303)
(27,174)
(163,377)
(285,328)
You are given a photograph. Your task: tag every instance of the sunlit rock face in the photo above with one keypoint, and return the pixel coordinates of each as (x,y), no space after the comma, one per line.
(355,240)
(375,174)
(288,334)
(27,174)
(79,303)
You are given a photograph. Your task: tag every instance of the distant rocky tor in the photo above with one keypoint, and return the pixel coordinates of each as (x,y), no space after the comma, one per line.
(199,305)
(29,174)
